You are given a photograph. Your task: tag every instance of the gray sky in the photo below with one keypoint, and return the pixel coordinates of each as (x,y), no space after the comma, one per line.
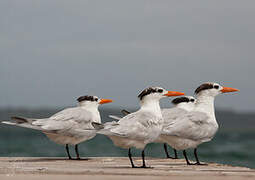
(51,52)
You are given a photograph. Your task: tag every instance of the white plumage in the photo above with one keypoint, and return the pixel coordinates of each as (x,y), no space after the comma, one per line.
(184,129)
(136,129)
(69,126)
(142,127)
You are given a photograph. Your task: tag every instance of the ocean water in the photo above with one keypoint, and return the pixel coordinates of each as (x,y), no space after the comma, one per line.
(234,143)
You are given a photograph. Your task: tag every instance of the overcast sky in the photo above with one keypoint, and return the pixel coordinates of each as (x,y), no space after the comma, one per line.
(51,52)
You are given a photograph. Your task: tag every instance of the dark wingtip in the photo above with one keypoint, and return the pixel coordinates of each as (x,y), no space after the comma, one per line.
(19,120)
(125,112)
(97,126)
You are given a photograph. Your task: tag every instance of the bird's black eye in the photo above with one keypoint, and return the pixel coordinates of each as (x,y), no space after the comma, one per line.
(192,100)
(160,90)
(216,87)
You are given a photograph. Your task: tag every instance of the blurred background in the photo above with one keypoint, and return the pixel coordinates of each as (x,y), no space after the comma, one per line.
(52,52)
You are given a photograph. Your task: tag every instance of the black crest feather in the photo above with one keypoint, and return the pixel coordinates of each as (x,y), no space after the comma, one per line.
(87,98)
(148,91)
(204,87)
(180,100)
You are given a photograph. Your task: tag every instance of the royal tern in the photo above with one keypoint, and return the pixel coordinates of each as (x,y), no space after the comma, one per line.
(186,103)
(183,103)
(141,127)
(189,129)
(63,127)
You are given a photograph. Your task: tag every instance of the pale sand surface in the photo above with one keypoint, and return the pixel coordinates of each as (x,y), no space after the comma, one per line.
(115,168)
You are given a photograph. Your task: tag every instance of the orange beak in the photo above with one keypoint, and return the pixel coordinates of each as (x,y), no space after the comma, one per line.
(103,101)
(228,89)
(173,93)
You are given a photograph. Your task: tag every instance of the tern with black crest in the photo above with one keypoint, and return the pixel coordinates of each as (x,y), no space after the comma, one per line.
(181,105)
(141,127)
(65,126)
(190,129)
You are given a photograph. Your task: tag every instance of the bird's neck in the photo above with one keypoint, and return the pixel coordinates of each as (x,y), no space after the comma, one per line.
(152,106)
(185,106)
(205,104)
(94,111)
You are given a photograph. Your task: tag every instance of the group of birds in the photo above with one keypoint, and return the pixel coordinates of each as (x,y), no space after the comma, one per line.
(186,125)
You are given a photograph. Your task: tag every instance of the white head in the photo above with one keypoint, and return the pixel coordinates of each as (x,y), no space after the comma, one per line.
(212,89)
(156,93)
(91,101)
(185,102)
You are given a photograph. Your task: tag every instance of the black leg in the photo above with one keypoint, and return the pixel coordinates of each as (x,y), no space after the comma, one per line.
(195,153)
(144,165)
(165,148)
(196,156)
(67,150)
(167,155)
(187,160)
(175,154)
(130,158)
(77,152)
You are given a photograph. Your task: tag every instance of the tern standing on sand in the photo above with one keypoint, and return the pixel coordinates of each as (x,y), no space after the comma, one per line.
(141,127)
(64,127)
(181,105)
(189,129)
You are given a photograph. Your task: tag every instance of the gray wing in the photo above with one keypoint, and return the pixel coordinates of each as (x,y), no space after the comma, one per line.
(172,114)
(191,125)
(134,125)
(66,119)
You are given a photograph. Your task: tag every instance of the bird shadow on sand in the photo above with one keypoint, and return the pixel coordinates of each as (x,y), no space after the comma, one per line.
(126,167)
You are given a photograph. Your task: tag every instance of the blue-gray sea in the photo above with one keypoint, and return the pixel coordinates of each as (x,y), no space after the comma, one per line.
(234,143)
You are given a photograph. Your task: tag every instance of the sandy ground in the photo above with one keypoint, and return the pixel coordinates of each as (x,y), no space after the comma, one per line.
(115,168)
